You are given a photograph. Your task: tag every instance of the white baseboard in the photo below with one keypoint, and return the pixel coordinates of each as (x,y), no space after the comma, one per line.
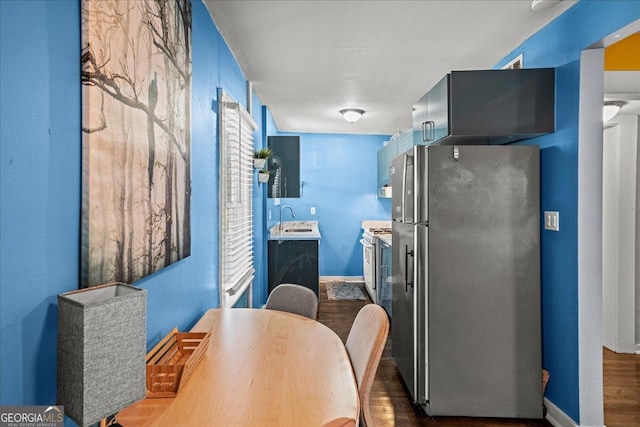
(637,348)
(556,416)
(342,278)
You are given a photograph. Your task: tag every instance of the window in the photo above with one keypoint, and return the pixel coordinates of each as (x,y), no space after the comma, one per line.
(236,129)
(514,64)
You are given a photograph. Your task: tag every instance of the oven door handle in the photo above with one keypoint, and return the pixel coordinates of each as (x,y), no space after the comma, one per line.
(365,243)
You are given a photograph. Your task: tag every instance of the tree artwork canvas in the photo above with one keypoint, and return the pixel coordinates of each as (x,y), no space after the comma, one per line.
(136,137)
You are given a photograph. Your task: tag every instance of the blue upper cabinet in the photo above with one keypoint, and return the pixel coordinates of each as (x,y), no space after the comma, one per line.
(404,140)
(385,155)
(486,107)
(398,144)
(431,114)
(420,116)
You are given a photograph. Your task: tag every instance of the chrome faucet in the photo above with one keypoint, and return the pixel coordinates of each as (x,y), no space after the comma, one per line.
(293,214)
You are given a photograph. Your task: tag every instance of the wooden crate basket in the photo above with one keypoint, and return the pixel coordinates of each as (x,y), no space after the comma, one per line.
(172,361)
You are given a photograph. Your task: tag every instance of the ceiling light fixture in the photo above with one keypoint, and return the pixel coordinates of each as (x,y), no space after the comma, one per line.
(352,115)
(539,5)
(610,109)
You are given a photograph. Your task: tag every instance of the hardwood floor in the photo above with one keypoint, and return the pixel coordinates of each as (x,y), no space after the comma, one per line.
(389,403)
(391,407)
(621,384)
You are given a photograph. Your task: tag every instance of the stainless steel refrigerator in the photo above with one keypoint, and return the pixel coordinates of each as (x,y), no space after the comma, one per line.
(466,332)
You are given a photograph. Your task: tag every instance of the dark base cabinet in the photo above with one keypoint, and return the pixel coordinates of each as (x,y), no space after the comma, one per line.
(293,261)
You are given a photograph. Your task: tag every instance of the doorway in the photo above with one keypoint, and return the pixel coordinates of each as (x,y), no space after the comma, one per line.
(590,203)
(619,232)
(620,284)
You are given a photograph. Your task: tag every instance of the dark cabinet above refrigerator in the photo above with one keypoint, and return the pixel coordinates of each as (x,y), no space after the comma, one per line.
(486,107)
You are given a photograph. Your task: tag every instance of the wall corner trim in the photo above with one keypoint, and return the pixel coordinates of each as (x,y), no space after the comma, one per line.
(556,416)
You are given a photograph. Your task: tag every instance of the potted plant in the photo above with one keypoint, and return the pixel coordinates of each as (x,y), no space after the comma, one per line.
(260,157)
(263,175)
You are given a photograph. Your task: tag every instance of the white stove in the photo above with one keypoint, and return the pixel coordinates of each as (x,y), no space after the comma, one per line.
(370,253)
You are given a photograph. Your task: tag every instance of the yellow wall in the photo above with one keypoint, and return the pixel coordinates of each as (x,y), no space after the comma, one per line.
(623,55)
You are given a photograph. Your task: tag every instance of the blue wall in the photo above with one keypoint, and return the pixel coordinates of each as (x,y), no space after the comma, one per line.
(40,169)
(40,189)
(339,173)
(41,183)
(559,45)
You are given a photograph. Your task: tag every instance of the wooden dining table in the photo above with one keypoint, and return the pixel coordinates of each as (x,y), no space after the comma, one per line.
(261,368)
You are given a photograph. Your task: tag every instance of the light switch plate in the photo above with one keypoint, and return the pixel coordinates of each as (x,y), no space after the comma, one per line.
(552,220)
(313,210)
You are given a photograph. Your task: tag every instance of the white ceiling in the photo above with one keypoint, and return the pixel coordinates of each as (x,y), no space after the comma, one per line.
(309,59)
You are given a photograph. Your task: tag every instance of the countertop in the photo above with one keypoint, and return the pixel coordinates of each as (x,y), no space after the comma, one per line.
(312,231)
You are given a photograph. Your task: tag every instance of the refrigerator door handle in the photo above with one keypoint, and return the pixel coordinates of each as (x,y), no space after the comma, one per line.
(407,253)
(404,185)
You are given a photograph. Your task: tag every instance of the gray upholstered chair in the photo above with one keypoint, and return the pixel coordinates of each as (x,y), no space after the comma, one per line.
(365,343)
(293,299)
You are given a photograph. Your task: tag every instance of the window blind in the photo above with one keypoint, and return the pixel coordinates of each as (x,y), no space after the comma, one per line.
(236,129)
